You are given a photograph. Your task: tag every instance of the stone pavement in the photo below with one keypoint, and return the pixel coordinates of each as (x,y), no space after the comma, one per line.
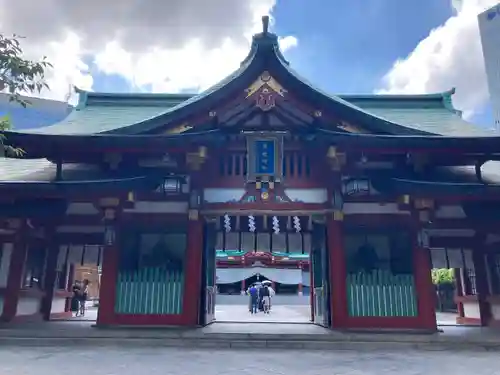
(171,361)
(278,314)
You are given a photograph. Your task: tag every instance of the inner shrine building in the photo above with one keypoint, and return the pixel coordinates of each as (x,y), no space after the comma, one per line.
(362,193)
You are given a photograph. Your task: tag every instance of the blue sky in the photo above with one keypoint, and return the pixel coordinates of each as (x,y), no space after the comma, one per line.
(346,46)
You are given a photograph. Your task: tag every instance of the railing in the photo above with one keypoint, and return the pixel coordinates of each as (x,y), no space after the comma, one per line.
(381,294)
(149,291)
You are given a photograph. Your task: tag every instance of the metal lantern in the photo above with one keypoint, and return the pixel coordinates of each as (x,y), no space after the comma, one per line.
(171,185)
(337,201)
(194,199)
(109,235)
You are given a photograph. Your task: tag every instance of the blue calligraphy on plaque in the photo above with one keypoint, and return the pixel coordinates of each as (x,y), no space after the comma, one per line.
(265,154)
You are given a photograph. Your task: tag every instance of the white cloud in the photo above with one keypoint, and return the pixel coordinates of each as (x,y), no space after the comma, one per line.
(451,56)
(158,46)
(192,67)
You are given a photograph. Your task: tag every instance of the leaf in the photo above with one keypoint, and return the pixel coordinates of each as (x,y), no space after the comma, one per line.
(18,75)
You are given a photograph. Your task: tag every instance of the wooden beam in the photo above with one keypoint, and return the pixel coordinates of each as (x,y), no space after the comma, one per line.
(453,242)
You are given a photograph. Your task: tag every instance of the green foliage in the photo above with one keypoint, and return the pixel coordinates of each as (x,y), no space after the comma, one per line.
(6,150)
(5,123)
(442,276)
(18,75)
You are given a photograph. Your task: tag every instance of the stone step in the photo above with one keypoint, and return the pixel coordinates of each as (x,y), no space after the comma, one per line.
(250,342)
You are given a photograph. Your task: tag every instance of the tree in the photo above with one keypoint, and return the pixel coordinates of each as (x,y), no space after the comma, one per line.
(18,75)
(442,276)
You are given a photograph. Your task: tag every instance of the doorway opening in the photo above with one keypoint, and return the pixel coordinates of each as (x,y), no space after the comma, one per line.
(77,283)
(454,279)
(247,257)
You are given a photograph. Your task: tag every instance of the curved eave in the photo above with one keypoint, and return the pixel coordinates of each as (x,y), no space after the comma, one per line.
(482,145)
(266,55)
(281,70)
(85,186)
(442,189)
(43,145)
(207,100)
(437,96)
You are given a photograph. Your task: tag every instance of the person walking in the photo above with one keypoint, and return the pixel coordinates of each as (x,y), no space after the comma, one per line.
(84,294)
(254,299)
(266,298)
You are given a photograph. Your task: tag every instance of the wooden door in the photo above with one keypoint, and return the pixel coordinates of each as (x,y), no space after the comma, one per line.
(208,290)
(321,276)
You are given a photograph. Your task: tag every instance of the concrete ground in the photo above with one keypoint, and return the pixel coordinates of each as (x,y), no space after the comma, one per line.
(235,310)
(286,309)
(278,314)
(170,361)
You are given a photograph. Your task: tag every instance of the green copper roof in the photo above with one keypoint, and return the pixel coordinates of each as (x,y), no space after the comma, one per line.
(102,112)
(431,113)
(132,114)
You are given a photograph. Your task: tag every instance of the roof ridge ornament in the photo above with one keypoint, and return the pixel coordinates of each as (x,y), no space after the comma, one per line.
(265,25)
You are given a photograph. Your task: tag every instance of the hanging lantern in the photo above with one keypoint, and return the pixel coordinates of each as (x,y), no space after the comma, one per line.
(337,201)
(109,235)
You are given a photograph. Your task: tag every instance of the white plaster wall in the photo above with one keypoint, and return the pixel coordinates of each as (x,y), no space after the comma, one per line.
(5,264)
(158,207)
(450,212)
(214,195)
(373,208)
(81,208)
(307,195)
(471,309)
(495,310)
(80,229)
(58,305)
(28,306)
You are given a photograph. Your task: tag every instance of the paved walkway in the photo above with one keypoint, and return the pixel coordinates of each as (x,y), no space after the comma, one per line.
(185,361)
(278,314)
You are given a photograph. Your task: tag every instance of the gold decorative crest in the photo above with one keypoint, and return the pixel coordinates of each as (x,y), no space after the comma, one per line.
(265,90)
(265,79)
(179,129)
(351,128)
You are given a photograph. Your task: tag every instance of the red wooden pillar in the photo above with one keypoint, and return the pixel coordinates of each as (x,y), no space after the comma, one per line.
(50,275)
(107,293)
(482,288)
(14,279)
(243,287)
(424,287)
(338,294)
(311,288)
(192,276)
(459,292)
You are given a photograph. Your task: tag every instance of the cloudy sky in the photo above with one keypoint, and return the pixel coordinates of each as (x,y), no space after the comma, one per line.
(343,46)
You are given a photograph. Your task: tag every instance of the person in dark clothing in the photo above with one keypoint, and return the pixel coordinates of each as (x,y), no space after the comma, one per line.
(254,299)
(265,295)
(75,299)
(84,292)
